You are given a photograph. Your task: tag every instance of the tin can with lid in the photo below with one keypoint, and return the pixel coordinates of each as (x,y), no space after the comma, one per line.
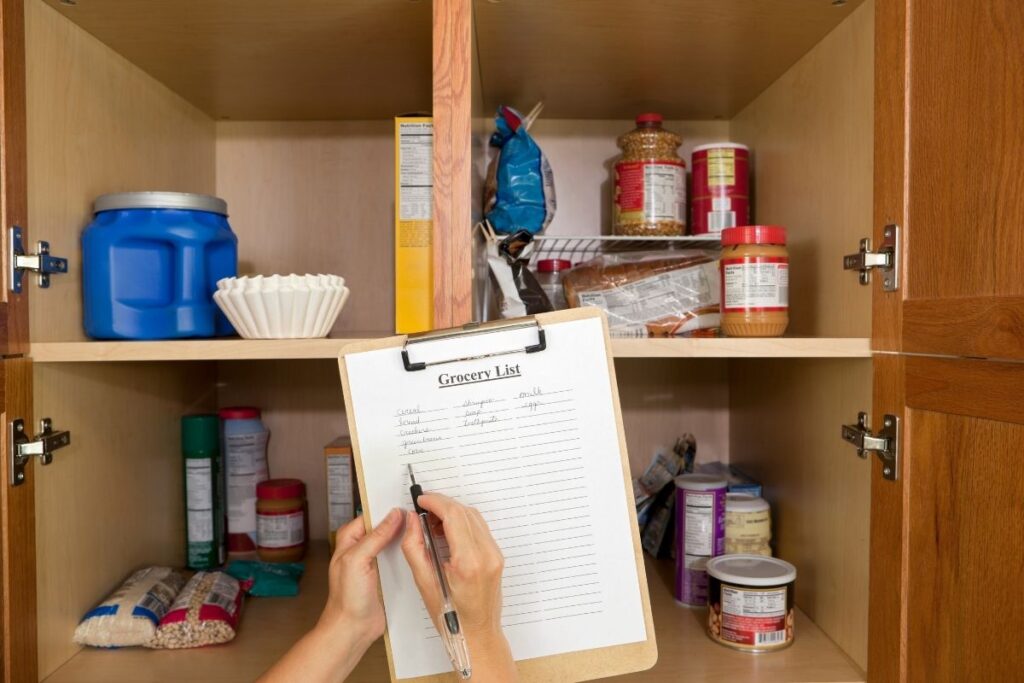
(721,187)
(700,534)
(750,599)
(748,525)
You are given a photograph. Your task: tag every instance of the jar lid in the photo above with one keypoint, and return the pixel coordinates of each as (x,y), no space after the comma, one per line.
(751,570)
(160,200)
(700,482)
(720,145)
(553,265)
(240,413)
(648,117)
(277,489)
(200,435)
(754,234)
(745,502)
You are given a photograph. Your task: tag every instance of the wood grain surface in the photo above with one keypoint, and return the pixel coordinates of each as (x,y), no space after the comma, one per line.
(18,618)
(607,59)
(810,135)
(974,388)
(97,124)
(267,60)
(14,333)
(980,326)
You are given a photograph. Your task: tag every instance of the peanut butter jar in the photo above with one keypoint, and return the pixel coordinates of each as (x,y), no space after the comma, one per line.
(755,281)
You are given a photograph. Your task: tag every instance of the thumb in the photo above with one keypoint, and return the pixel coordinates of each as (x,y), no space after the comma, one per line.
(375,541)
(415,551)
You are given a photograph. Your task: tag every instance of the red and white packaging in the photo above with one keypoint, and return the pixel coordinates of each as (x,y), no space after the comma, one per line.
(206,612)
(721,187)
(755,282)
(750,600)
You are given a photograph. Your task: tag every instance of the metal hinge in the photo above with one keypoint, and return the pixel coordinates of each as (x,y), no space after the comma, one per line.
(41,262)
(885,444)
(42,446)
(886,259)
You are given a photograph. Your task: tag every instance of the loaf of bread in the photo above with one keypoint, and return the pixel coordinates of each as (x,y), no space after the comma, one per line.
(650,293)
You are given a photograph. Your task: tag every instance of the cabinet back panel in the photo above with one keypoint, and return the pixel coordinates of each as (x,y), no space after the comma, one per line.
(811,138)
(315,197)
(96,124)
(112,502)
(784,431)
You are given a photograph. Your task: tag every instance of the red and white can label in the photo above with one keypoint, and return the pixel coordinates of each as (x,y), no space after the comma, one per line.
(753,617)
(650,191)
(755,283)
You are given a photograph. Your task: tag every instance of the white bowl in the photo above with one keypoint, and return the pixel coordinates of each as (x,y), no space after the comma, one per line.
(282,306)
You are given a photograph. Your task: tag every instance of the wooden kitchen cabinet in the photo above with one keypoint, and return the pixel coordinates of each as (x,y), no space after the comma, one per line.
(860,115)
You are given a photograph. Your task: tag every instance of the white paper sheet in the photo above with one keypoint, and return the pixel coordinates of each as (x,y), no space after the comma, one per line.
(530,441)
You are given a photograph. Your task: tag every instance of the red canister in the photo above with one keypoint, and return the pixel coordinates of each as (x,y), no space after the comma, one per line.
(721,187)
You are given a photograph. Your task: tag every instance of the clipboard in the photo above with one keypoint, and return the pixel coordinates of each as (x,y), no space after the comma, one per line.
(573,666)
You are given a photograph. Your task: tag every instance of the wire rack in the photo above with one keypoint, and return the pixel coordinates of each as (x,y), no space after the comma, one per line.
(578,249)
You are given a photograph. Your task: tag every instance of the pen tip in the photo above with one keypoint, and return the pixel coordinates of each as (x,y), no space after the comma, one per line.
(412,479)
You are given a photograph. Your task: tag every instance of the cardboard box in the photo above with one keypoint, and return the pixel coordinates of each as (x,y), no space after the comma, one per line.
(342,490)
(414,223)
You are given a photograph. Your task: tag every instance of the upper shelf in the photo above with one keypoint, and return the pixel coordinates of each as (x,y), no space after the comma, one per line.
(371,59)
(274,60)
(299,349)
(609,59)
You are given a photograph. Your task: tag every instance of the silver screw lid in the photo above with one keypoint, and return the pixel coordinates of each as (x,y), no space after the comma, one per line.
(160,200)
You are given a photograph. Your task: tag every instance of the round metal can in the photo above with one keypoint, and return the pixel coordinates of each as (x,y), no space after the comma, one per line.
(721,187)
(750,600)
(700,534)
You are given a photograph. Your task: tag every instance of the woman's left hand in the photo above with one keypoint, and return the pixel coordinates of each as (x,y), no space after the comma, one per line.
(353,598)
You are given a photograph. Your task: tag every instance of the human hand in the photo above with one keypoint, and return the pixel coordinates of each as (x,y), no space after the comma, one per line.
(353,598)
(473,570)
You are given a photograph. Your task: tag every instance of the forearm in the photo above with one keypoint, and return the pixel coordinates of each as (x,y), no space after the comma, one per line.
(327,654)
(491,658)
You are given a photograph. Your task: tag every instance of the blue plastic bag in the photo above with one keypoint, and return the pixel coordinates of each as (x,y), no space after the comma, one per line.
(520,191)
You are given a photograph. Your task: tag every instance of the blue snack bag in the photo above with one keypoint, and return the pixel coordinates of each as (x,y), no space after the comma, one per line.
(520,188)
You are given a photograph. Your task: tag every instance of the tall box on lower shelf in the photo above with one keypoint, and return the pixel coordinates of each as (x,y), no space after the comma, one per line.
(342,491)
(414,223)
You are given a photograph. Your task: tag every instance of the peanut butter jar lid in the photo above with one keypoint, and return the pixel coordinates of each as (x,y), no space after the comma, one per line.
(745,502)
(751,570)
(278,489)
(754,234)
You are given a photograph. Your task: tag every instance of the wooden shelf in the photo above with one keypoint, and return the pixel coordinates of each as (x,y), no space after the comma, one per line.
(305,349)
(270,625)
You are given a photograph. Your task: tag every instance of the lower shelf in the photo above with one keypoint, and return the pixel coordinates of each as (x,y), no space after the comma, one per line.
(271,625)
(273,349)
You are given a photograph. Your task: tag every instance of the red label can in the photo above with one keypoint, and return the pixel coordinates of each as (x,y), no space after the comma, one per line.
(721,187)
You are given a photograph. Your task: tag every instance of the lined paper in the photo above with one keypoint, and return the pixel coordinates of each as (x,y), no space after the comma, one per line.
(531,442)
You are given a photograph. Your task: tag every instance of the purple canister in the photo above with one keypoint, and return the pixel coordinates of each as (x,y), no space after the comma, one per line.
(700,534)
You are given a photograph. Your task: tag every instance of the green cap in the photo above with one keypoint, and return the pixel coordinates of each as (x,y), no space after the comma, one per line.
(200,435)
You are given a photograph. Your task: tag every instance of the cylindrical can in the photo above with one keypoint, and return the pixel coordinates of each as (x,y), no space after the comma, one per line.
(751,602)
(244,451)
(204,492)
(748,525)
(700,534)
(721,187)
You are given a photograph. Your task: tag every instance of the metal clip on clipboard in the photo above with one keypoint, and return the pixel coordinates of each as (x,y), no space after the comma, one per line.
(472,329)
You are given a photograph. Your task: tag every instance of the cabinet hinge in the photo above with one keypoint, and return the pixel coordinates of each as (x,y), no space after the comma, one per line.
(23,448)
(41,263)
(885,444)
(886,259)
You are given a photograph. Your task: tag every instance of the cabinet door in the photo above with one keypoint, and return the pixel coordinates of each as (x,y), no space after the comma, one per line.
(947,536)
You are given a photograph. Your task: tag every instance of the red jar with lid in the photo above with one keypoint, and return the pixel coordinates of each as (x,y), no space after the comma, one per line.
(549,276)
(282,520)
(755,281)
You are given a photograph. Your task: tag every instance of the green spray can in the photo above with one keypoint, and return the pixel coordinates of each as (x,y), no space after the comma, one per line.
(204,491)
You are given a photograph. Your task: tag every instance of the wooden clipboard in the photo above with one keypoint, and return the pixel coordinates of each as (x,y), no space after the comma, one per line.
(584,665)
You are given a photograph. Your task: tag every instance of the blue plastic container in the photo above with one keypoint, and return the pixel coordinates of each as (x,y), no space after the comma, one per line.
(150,265)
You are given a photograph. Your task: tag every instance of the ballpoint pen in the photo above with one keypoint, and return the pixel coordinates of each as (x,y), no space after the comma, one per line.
(448,620)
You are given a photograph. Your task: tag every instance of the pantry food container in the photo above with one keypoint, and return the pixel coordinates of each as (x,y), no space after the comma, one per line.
(750,600)
(150,265)
(650,182)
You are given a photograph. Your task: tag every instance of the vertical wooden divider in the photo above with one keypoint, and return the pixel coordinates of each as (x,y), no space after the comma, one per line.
(452,102)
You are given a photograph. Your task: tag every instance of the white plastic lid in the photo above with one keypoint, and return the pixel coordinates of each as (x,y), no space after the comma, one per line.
(700,482)
(745,502)
(720,145)
(751,570)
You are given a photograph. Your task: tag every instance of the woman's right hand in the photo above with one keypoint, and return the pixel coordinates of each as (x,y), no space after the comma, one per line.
(474,576)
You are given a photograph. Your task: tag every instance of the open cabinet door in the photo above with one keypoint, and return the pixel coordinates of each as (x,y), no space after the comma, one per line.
(947,536)
(17,498)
